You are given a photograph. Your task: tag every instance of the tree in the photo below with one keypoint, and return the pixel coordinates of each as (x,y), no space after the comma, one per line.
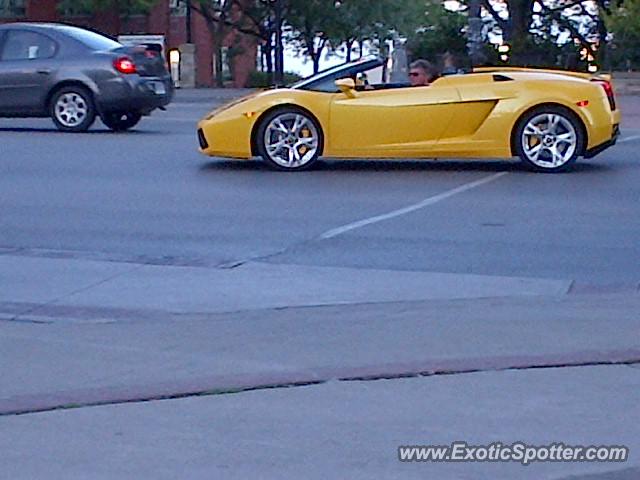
(218,15)
(257,18)
(118,9)
(442,31)
(319,25)
(123,8)
(312,23)
(623,21)
(543,28)
(374,22)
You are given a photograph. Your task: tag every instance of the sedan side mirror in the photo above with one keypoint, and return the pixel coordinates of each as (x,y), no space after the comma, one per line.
(347,86)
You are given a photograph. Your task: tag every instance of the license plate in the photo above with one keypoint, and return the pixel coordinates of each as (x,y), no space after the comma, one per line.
(158,88)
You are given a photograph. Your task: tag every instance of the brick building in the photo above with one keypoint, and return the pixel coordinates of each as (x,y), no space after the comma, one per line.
(166,18)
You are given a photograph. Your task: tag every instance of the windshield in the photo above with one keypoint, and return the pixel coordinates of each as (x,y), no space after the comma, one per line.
(325,80)
(90,39)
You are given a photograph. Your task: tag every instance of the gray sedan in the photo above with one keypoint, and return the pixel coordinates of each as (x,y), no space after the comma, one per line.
(73,75)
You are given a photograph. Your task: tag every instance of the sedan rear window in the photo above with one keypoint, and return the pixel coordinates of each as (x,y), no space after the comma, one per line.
(90,39)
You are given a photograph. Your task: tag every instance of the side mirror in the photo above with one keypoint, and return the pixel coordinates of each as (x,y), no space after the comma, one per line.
(347,86)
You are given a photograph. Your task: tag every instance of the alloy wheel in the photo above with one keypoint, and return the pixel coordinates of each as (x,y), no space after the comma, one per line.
(549,140)
(291,140)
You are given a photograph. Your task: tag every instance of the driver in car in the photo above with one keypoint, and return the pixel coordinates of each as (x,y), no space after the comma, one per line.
(422,73)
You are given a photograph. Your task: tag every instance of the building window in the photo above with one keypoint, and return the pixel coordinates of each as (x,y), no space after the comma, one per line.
(12,8)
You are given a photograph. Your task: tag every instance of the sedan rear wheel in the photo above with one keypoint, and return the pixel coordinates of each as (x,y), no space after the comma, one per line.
(549,139)
(72,109)
(289,139)
(121,121)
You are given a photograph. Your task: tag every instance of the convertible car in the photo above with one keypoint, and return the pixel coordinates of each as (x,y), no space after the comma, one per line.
(548,118)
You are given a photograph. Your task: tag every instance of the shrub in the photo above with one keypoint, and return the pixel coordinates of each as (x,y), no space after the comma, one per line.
(264,79)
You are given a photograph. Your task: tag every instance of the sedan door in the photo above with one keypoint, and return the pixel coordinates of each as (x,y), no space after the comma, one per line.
(27,65)
(395,122)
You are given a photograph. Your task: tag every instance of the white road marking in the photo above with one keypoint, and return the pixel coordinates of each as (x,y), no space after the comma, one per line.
(629,139)
(411,208)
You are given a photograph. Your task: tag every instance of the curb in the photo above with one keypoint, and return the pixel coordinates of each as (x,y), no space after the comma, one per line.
(226,384)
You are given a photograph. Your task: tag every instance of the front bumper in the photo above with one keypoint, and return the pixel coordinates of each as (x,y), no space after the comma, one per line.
(226,136)
(592,152)
(202,140)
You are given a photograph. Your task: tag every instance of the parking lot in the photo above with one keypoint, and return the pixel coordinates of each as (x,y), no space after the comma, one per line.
(133,269)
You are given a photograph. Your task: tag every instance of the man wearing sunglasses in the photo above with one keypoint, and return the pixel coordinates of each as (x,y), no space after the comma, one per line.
(422,73)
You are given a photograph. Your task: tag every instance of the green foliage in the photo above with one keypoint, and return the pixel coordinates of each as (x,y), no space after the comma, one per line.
(624,24)
(88,7)
(550,32)
(376,20)
(442,31)
(311,24)
(538,51)
(319,24)
(264,79)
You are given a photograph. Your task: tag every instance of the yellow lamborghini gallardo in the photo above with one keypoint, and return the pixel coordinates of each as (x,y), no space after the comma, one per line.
(548,118)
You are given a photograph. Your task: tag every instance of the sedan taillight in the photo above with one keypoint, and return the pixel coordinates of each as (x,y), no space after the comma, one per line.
(124,65)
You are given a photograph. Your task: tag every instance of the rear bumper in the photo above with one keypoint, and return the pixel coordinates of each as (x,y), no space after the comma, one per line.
(592,152)
(134,93)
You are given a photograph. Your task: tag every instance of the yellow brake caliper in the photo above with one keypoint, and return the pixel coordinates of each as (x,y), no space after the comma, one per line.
(303,148)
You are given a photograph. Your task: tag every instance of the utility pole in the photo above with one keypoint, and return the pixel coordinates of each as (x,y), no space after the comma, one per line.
(279,73)
(474,34)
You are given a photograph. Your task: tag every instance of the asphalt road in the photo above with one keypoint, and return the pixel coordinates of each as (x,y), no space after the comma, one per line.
(148,196)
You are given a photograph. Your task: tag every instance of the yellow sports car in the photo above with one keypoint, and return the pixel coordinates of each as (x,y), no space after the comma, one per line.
(547,118)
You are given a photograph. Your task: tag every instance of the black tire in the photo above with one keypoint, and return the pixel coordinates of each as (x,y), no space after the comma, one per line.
(72,109)
(306,143)
(121,121)
(549,139)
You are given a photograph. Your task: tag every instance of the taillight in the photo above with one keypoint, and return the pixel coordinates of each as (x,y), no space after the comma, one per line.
(608,89)
(124,65)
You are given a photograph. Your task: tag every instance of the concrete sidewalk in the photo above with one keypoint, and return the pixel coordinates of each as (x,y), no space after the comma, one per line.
(44,283)
(87,332)
(95,346)
(338,430)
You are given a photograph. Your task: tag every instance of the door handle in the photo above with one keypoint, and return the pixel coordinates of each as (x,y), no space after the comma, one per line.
(43,71)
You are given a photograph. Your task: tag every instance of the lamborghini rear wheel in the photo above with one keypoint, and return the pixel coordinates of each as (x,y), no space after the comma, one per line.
(289,139)
(549,139)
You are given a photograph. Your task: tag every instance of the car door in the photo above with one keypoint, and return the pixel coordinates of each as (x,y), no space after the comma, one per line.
(27,63)
(391,122)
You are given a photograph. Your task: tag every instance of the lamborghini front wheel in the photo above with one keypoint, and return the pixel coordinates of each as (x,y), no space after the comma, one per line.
(289,139)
